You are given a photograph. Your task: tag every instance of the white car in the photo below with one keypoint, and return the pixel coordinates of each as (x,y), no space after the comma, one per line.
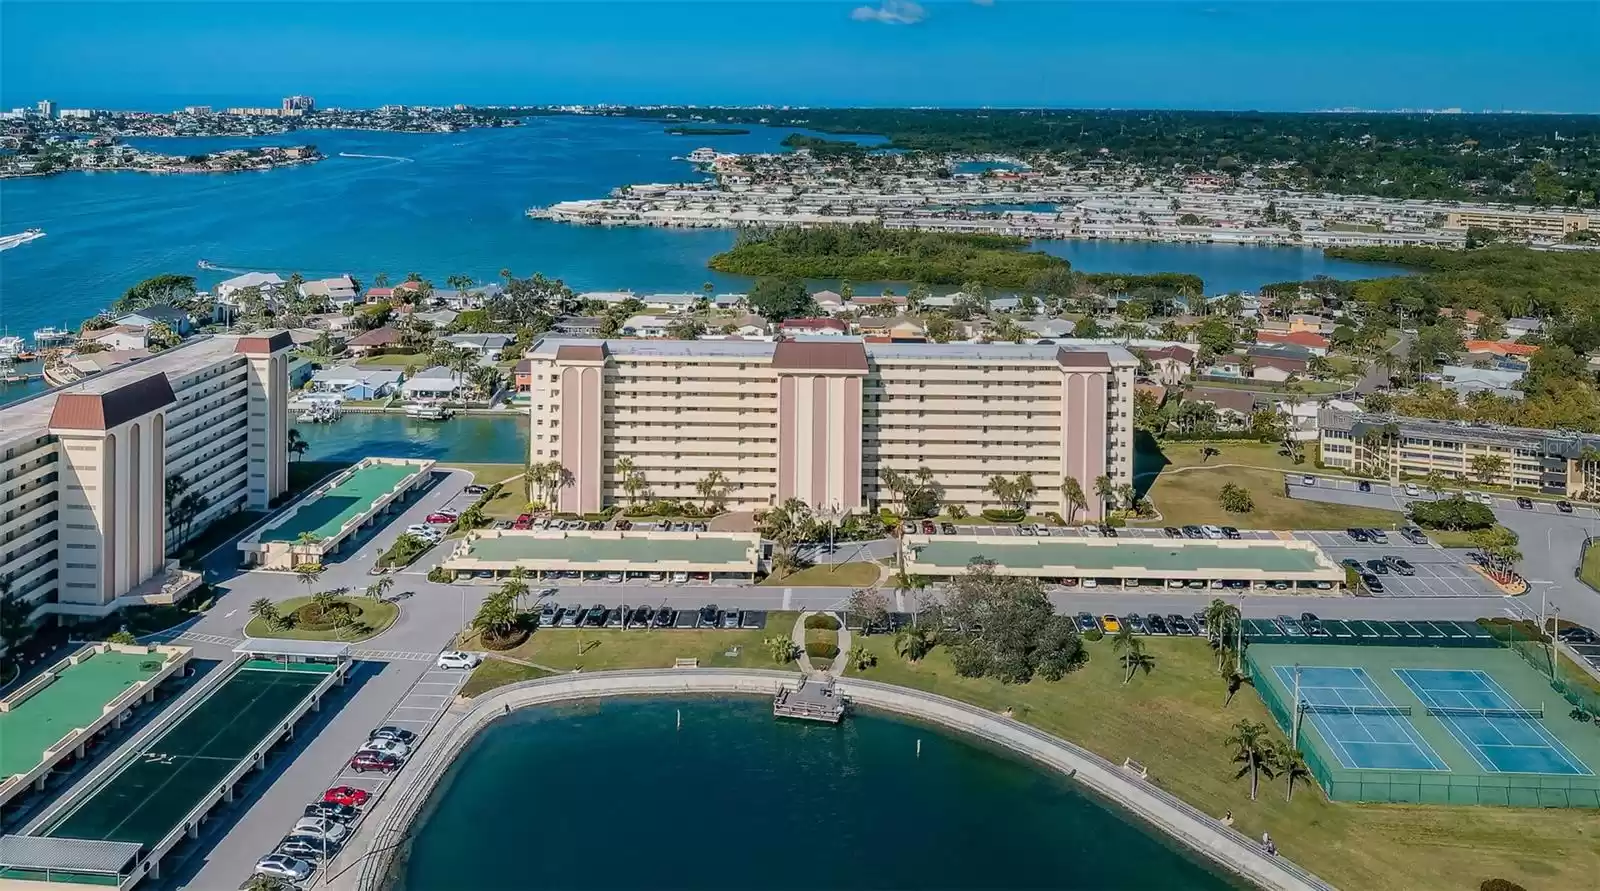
(452,659)
(387,747)
(1308,480)
(1091,531)
(1091,583)
(1412,490)
(283,866)
(321,828)
(679,578)
(1213,532)
(426,533)
(1041,530)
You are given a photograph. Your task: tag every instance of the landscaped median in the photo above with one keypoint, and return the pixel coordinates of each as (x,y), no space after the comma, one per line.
(323,617)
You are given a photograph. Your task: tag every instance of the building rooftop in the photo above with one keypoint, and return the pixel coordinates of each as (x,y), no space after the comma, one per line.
(1121,555)
(668,552)
(30,417)
(1561,443)
(74,699)
(758,350)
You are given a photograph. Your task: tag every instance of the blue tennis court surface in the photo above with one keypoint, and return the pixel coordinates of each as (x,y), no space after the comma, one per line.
(1499,742)
(1360,741)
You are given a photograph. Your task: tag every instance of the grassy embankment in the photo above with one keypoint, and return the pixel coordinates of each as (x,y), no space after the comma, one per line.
(843,575)
(1184,486)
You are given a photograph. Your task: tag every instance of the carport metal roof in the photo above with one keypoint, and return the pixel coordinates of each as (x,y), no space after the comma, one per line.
(271,646)
(66,854)
(1131,557)
(726,552)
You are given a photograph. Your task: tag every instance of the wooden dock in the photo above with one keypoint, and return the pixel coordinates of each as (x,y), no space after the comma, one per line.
(810,701)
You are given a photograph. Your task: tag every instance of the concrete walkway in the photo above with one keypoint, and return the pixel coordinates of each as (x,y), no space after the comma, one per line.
(365,860)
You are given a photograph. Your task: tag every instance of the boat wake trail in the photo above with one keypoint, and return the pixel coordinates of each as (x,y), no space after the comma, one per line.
(377,157)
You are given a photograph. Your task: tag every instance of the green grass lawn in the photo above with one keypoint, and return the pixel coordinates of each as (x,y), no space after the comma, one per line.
(558,648)
(1589,571)
(1191,497)
(1188,454)
(1456,538)
(1173,721)
(376,617)
(1309,387)
(1348,366)
(843,575)
(497,673)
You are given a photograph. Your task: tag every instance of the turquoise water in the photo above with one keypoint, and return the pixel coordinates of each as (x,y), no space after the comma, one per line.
(469,439)
(613,796)
(439,204)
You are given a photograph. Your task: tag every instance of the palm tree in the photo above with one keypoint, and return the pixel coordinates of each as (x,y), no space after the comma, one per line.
(913,642)
(535,475)
(297,444)
(1104,488)
(1221,617)
(623,471)
(860,658)
(1253,749)
(710,488)
(1072,491)
(265,610)
(495,617)
(379,588)
(1133,654)
(516,587)
(1291,763)
(325,600)
(782,648)
(308,573)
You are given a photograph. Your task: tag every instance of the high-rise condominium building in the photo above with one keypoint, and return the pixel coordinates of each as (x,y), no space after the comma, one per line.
(47,108)
(823,419)
(85,516)
(299,103)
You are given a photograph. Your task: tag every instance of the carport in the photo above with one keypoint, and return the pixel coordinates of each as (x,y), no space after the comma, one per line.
(550,556)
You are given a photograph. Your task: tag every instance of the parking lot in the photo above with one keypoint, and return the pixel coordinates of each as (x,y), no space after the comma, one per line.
(630,617)
(1589,653)
(1400,496)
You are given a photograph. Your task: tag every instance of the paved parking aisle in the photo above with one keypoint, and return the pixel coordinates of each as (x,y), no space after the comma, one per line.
(1589,653)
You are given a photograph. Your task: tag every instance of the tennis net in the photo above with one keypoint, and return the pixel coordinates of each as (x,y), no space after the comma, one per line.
(1486,712)
(1315,708)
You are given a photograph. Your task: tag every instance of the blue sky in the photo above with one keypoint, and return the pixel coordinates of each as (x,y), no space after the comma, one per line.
(1288,55)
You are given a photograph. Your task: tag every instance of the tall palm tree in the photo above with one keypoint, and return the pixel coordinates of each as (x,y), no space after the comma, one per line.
(535,475)
(1105,489)
(623,471)
(1072,491)
(1292,764)
(308,573)
(913,642)
(325,599)
(1253,749)
(297,444)
(1222,618)
(265,610)
(710,488)
(378,589)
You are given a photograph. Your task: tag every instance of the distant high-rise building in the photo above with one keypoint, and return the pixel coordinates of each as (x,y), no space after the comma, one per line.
(79,113)
(197,109)
(47,108)
(299,103)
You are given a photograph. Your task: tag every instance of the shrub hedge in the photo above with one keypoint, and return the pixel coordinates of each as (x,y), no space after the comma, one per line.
(819,650)
(823,621)
(998,515)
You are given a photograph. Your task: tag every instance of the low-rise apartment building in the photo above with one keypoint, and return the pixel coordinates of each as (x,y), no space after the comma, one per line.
(84,469)
(1529,223)
(821,419)
(1552,462)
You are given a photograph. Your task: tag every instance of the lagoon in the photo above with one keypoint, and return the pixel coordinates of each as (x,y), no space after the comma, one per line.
(464,439)
(614,795)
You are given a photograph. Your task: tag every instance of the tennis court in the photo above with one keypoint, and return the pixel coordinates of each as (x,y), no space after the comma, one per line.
(153,792)
(1363,727)
(1444,718)
(1501,734)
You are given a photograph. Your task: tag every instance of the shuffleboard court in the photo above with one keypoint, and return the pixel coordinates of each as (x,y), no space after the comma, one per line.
(156,789)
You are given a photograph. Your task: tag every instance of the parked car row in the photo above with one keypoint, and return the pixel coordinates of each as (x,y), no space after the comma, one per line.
(677,578)
(385,750)
(1192,584)
(646,617)
(1206,531)
(1154,623)
(324,826)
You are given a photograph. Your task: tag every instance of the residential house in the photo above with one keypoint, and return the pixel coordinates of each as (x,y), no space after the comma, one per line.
(1309,323)
(1522,326)
(1502,348)
(1464,380)
(829,302)
(522,378)
(356,382)
(471,298)
(863,304)
(1469,318)
(1169,365)
(577,326)
(121,337)
(228,290)
(487,346)
(899,329)
(1234,407)
(1277,363)
(300,371)
(374,342)
(1050,329)
(332,322)
(438,318)
(379,295)
(340,290)
(817,327)
(647,326)
(437,382)
(176,319)
(745,327)
(1315,344)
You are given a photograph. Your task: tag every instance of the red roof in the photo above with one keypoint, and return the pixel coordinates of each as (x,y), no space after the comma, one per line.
(379,293)
(376,337)
(1502,347)
(1298,338)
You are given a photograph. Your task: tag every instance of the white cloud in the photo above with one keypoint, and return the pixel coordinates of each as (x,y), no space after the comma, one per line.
(891,12)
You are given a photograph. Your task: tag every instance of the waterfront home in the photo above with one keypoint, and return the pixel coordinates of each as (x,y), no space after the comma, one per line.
(174,318)
(436,383)
(1315,344)
(228,290)
(647,326)
(899,329)
(121,337)
(378,295)
(577,326)
(487,346)
(356,382)
(340,290)
(300,371)
(470,298)
(374,342)
(1049,329)
(332,322)
(829,302)
(819,327)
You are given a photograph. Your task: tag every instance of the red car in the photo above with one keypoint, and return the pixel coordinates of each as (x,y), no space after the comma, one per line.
(928,527)
(443,519)
(347,795)
(365,761)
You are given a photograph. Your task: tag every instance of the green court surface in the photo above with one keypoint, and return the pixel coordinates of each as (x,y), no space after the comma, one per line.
(1431,724)
(579,549)
(1039,553)
(158,787)
(324,515)
(74,699)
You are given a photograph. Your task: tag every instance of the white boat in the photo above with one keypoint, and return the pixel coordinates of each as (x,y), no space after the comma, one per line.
(11,346)
(428,412)
(53,337)
(23,237)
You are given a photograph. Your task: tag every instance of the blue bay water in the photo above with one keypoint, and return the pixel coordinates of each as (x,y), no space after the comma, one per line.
(438,204)
(614,795)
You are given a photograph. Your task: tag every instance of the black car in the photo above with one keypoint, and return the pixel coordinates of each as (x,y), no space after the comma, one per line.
(709,615)
(1357,534)
(1372,583)
(1135,623)
(398,734)
(1524,502)
(596,616)
(614,617)
(1313,625)
(1086,622)
(1351,563)
(1564,506)
(1155,623)
(1378,567)
(1193,532)
(1179,624)
(664,617)
(1108,530)
(1363,486)
(1400,565)
(1230,532)
(1173,532)
(343,813)
(475,489)
(947,528)
(624,525)
(641,617)
(1577,634)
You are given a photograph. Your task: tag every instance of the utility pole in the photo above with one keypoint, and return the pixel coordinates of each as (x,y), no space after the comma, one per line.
(1238,645)
(1294,715)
